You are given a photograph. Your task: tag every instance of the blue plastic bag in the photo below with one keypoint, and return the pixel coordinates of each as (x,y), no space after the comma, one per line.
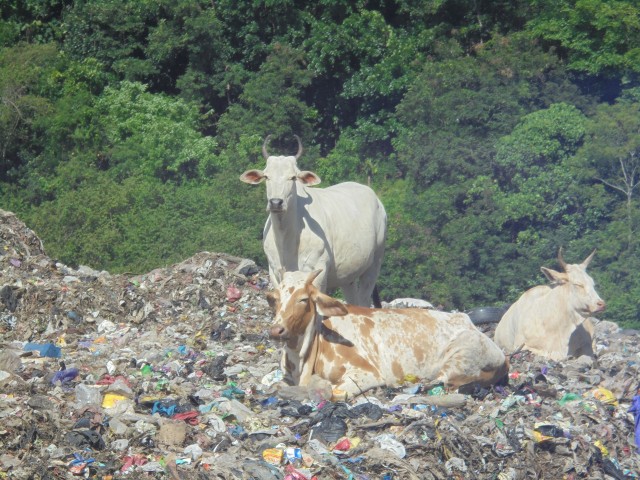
(635,409)
(45,349)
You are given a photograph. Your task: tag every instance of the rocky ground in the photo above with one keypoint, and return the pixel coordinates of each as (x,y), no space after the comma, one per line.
(171,375)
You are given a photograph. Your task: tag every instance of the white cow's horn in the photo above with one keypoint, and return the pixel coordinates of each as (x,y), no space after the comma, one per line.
(265,154)
(299,147)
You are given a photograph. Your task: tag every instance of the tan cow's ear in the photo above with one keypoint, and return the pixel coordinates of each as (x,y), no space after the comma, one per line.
(309,178)
(553,276)
(272,299)
(327,306)
(253,177)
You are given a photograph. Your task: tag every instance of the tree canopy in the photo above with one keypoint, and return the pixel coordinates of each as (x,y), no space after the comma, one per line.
(494,132)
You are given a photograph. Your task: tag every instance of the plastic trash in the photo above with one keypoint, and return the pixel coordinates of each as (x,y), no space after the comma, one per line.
(635,409)
(569,397)
(87,395)
(605,396)
(273,455)
(64,376)
(330,429)
(45,349)
(233,293)
(111,399)
(388,442)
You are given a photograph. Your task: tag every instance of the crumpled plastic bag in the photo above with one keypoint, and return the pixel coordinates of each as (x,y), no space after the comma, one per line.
(635,409)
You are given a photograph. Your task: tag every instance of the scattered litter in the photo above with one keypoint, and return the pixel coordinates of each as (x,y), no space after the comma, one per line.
(171,374)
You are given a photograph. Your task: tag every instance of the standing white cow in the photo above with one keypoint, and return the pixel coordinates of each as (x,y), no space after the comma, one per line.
(340,229)
(553,321)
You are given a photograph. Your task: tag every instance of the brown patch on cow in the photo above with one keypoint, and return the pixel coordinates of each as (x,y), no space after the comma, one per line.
(351,356)
(337,373)
(319,366)
(357,310)
(397,370)
(418,353)
(366,326)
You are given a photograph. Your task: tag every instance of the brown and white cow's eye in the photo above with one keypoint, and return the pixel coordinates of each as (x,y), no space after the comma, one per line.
(303,300)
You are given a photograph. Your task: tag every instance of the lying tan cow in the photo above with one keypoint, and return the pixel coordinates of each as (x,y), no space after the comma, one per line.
(357,348)
(553,321)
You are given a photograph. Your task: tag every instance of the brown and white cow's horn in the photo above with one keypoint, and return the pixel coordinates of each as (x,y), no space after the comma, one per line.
(587,260)
(265,154)
(299,147)
(312,276)
(561,261)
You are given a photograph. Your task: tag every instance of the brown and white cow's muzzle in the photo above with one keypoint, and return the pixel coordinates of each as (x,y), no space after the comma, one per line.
(278,332)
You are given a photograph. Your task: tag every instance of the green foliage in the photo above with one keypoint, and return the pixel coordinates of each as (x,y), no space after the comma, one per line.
(597,36)
(124,127)
(22,70)
(151,134)
(270,102)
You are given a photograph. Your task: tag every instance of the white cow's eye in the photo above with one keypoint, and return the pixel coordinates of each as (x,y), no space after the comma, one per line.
(294,178)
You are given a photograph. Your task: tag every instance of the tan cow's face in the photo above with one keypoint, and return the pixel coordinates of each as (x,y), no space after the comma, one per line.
(295,304)
(281,175)
(582,295)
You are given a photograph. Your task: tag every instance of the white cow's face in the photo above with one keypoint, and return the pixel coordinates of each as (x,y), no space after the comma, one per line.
(581,291)
(281,175)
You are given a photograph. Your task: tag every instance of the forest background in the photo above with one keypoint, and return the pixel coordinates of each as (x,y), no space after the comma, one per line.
(494,132)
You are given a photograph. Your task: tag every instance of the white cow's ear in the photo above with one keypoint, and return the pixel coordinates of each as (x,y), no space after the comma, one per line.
(253,177)
(553,276)
(329,307)
(309,178)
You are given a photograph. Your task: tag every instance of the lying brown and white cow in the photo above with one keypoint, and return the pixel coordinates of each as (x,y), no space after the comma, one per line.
(357,348)
(553,320)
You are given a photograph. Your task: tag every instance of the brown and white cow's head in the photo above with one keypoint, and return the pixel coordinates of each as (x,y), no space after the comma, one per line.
(297,304)
(582,296)
(281,175)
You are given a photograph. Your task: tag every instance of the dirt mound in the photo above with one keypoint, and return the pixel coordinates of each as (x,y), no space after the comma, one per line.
(171,374)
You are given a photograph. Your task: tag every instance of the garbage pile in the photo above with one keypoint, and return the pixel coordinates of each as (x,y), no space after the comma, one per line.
(171,375)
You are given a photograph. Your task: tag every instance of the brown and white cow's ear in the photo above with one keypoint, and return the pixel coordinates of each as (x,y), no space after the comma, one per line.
(253,177)
(309,178)
(554,276)
(328,306)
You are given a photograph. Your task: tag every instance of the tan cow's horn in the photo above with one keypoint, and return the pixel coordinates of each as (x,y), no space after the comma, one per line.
(561,261)
(312,276)
(299,147)
(265,154)
(587,260)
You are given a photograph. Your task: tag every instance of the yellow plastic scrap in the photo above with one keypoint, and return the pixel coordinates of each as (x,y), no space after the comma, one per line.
(338,395)
(605,396)
(410,378)
(61,341)
(273,456)
(110,399)
(603,449)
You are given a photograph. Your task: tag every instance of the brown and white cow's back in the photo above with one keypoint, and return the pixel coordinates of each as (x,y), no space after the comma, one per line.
(358,348)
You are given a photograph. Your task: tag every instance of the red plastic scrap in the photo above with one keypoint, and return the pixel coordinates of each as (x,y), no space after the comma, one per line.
(108,380)
(191,417)
(233,293)
(293,474)
(131,460)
